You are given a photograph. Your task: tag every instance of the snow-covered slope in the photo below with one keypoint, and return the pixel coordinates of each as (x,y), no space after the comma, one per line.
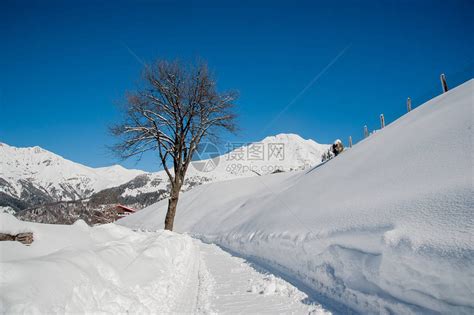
(283,152)
(34,174)
(386,227)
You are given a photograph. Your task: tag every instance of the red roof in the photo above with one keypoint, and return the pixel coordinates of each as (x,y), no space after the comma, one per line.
(126,208)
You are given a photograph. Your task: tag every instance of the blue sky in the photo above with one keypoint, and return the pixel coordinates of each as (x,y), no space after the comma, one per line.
(65,64)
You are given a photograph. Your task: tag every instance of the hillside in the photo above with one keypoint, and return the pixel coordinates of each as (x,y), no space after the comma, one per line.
(280,153)
(41,184)
(386,227)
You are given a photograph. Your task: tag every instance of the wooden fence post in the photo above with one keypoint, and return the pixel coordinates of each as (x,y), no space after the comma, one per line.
(442,77)
(366,131)
(382,121)
(408,105)
(350,141)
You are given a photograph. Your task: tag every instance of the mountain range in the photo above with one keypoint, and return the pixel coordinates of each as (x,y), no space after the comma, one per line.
(41,186)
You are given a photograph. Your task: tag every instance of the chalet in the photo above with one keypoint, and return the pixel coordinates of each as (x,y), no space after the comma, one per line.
(123,211)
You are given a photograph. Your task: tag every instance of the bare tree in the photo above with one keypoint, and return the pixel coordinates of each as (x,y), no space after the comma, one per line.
(177,108)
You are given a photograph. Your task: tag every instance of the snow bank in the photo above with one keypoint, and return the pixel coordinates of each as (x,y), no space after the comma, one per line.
(385,227)
(77,269)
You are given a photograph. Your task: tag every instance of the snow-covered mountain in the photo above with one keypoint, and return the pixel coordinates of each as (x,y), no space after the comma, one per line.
(31,176)
(384,228)
(34,177)
(280,153)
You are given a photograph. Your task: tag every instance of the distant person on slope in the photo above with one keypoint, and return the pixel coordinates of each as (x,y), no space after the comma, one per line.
(337,147)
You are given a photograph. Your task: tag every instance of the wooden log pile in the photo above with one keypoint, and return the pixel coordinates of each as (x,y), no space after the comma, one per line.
(24,238)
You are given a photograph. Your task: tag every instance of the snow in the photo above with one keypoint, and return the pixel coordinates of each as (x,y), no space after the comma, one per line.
(236,286)
(33,171)
(283,152)
(7,209)
(60,178)
(245,160)
(77,269)
(386,227)
(114,270)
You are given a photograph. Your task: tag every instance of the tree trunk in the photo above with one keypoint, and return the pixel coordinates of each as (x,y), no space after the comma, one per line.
(172,203)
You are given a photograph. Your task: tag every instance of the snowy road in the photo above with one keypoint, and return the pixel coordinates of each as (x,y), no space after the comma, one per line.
(221,283)
(109,269)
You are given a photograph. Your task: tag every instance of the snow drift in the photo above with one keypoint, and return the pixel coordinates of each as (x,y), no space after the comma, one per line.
(385,227)
(82,269)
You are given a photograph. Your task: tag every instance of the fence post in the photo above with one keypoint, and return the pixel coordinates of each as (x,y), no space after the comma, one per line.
(366,131)
(350,141)
(442,77)
(408,105)
(382,121)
